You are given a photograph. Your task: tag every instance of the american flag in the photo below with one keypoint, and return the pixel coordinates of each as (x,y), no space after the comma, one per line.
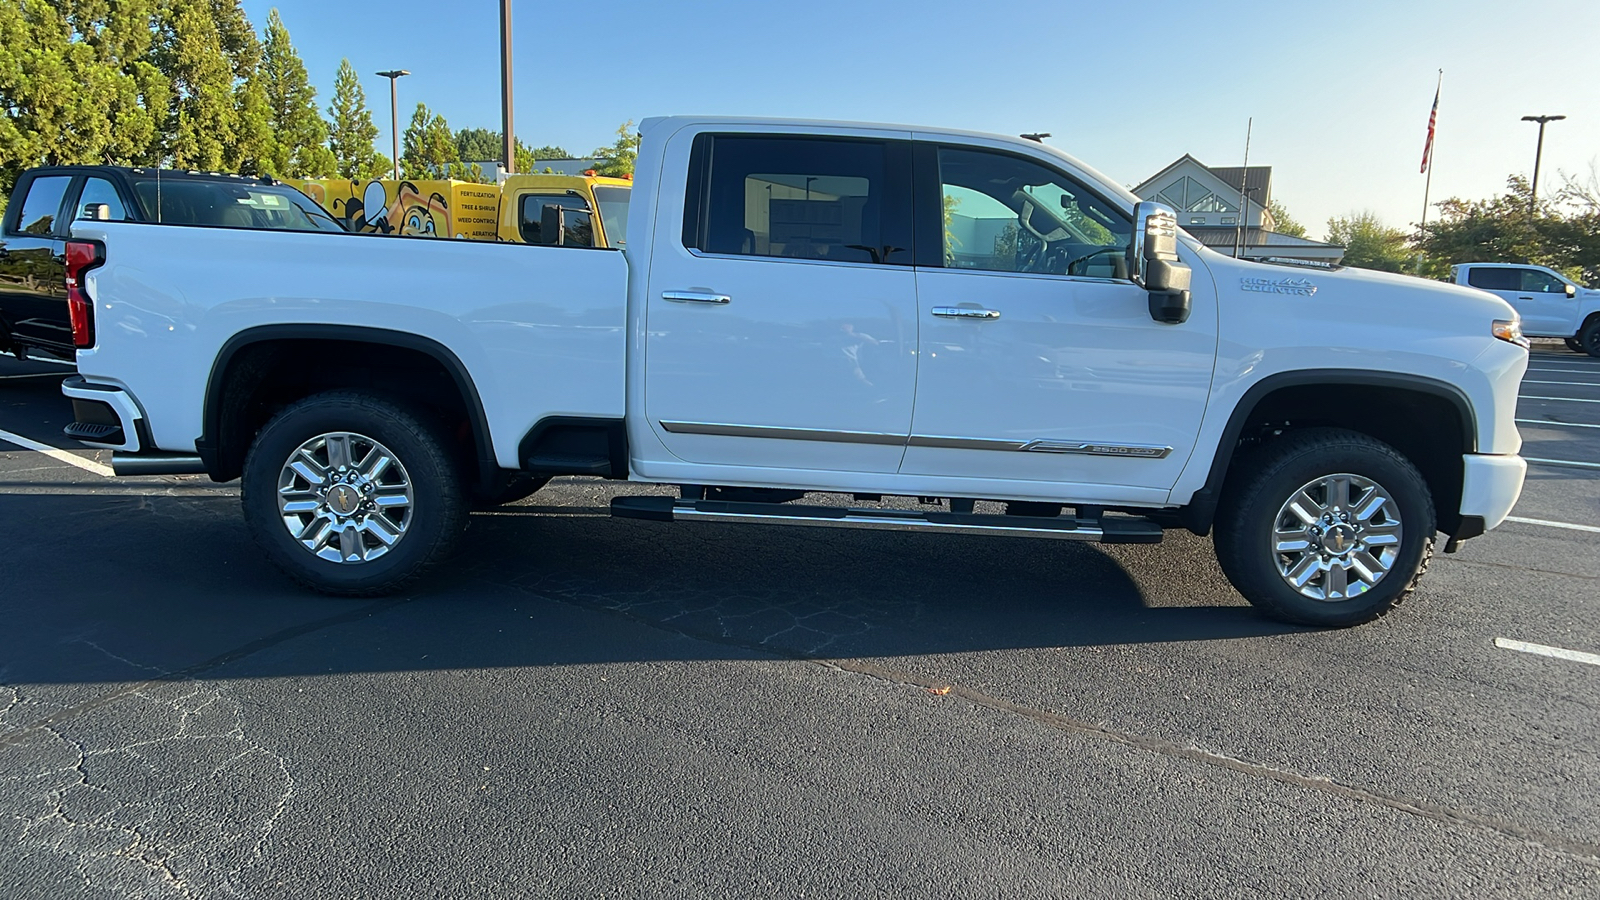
(1433,116)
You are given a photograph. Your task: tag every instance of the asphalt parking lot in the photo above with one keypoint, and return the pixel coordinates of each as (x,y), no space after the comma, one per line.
(581,706)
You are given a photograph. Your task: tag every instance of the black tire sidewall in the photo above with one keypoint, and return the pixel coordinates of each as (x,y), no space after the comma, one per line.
(1243,548)
(1589,339)
(435,485)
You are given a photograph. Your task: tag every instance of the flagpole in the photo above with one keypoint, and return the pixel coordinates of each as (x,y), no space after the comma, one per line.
(1427,187)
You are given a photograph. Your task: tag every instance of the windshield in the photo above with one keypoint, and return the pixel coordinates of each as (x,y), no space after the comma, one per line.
(189,201)
(613,203)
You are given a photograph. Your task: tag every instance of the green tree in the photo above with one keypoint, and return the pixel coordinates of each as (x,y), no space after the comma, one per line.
(1283,223)
(61,95)
(428,147)
(1370,244)
(298,131)
(478,144)
(1563,232)
(202,122)
(618,159)
(351,134)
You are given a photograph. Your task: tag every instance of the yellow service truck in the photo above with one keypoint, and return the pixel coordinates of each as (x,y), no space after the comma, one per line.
(572,210)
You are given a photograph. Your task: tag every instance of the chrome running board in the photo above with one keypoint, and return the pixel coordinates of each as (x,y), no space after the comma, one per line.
(1062,528)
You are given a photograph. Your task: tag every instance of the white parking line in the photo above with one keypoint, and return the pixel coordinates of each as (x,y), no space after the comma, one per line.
(1562,424)
(1549,524)
(1568,399)
(1562,462)
(1568,383)
(55,453)
(1592,659)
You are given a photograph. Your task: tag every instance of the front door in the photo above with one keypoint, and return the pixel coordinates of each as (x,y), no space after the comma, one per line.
(1040,364)
(33,274)
(780,326)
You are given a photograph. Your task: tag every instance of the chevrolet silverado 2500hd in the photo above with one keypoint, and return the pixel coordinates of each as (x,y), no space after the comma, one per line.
(816,307)
(1550,303)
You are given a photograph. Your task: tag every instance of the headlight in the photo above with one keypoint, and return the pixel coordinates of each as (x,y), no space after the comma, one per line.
(1510,330)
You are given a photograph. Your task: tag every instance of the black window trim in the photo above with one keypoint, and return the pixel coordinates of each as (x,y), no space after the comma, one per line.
(928,189)
(897,188)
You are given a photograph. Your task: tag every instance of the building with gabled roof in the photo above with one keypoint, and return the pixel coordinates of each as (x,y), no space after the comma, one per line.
(1225,207)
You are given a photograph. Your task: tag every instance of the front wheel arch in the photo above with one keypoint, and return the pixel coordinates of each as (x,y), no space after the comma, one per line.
(1428,421)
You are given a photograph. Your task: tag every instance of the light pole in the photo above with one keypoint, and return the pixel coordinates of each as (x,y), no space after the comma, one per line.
(505,87)
(394,114)
(1533,197)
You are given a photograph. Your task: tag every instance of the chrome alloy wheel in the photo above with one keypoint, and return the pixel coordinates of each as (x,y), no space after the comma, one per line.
(1336,537)
(345,497)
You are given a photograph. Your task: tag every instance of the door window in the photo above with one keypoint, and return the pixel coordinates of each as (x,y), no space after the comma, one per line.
(42,205)
(577,222)
(99,190)
(1535,281)
(1007,214)
(799,198)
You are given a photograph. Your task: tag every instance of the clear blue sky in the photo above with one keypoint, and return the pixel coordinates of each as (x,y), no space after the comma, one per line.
(1339,92)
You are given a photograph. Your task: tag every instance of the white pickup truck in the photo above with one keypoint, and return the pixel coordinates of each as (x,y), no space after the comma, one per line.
(980,322)
(1550,304)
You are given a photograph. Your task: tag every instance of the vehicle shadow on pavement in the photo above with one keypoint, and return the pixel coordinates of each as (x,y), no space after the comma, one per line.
(118,588)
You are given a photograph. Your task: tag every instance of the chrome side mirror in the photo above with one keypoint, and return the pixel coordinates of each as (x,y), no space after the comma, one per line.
(1571,292)
(1154,265)
(96,212)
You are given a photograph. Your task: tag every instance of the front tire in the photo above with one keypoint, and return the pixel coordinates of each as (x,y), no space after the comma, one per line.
(1589,338)
(1573,344)
(351,494)
(1325,527)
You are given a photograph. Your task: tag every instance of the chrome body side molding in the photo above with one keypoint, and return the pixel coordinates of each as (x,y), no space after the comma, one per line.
(1088,448)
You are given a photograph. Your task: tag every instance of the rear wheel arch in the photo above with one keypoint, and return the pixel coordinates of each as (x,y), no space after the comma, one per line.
(243,393)
(1429,421)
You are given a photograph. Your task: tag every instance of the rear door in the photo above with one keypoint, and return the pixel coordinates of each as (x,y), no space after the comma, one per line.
(33,290)
(781,324)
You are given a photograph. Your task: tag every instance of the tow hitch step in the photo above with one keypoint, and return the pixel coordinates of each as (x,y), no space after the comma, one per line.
(1062,528)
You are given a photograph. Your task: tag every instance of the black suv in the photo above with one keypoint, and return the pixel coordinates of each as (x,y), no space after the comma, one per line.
(33,236)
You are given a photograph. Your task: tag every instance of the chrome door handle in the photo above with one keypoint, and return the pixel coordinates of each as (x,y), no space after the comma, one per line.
(965,312)
(695,297)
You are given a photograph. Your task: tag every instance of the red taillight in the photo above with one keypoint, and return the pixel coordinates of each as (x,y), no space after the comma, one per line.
(81,257)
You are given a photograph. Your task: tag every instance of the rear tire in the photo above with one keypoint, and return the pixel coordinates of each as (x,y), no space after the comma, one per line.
(1325,527)
(351,494)
(1573,345)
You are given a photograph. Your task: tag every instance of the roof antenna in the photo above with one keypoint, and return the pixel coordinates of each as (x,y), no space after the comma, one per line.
(158,193)
(1036,136)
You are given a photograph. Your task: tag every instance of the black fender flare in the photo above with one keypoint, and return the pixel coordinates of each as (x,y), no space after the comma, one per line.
(1198,513)
(208,445)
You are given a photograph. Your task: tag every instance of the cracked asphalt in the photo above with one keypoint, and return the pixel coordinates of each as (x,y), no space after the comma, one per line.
(581,706)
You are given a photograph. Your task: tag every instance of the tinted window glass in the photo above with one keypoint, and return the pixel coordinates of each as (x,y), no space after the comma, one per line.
(1535,281)
(99,190)
(42,205)
(798,198)
(579,230)
(614,212)
(1007,214)
(1495,279)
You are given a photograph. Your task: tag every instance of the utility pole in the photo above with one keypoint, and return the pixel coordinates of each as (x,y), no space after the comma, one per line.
(505,87)
(1533,197)
(1244,199)
(394,75)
